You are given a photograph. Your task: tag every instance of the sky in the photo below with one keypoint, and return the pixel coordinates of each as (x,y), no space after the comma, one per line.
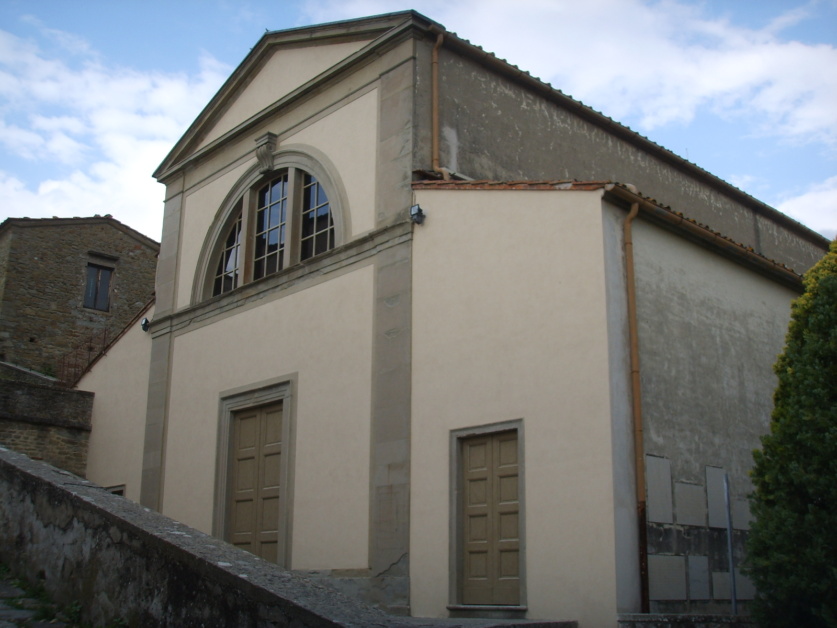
(94,93)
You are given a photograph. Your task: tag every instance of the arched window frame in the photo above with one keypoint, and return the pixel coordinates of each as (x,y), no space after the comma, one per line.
(241,201)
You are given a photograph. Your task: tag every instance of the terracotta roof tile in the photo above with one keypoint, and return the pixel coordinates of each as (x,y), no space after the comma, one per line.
(485,184)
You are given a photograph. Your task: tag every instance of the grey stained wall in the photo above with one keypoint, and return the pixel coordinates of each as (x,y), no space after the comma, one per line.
(493,127)
(43,265)
(709,333)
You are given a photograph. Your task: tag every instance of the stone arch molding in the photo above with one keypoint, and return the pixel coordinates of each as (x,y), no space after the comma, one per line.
(301,156)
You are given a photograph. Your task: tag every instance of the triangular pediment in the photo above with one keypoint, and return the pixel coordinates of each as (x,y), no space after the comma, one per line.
(281,64)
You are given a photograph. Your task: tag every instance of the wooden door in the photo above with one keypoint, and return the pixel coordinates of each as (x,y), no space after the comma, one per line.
(490,515)
(256,483)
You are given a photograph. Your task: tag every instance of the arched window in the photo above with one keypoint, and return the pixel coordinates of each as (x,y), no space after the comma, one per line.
(229,264)
(289,219)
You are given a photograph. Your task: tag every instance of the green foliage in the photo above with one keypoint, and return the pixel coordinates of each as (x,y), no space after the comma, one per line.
(792,547)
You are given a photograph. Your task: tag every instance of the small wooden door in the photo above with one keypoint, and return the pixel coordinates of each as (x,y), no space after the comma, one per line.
(490,515)
(255,482)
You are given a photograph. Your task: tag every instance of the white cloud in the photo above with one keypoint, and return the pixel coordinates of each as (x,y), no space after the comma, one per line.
(22,142)
(816,207)
(100,130)
(115,126)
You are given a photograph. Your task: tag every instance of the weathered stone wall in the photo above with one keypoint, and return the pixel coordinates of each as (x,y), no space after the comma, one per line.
(709,333)
(14,373)
(684,621)
(119,560)
(46,422)
(42,316)
(5,245)
(495,127)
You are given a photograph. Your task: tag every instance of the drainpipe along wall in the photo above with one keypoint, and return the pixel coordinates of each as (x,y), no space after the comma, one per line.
(636,408)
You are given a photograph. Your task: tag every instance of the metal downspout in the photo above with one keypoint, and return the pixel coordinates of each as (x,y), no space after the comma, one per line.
(636,409)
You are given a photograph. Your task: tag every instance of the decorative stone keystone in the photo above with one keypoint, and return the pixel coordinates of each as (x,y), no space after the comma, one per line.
(264,152)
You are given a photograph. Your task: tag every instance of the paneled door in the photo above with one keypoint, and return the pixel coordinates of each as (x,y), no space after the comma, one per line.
(255,482)
(490,516)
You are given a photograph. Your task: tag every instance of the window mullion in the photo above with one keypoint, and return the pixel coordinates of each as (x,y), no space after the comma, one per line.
(246,252)
(291,252)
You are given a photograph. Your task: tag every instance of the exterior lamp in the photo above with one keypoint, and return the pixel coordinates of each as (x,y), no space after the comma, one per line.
(416,214)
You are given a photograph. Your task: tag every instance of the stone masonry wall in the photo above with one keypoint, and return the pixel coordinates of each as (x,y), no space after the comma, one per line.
(46,422)
(42,313)
(121,561)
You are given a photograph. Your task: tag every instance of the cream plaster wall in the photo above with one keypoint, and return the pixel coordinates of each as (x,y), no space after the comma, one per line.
(324,335)
(285,70)
(200,209)
(349,138)
(120,381)
(510,322)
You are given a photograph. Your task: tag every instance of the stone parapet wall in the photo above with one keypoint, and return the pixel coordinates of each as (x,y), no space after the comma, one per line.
(14,373)
(684,621)
(122,562)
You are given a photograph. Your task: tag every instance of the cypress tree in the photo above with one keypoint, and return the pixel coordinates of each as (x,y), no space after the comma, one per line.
(792,546)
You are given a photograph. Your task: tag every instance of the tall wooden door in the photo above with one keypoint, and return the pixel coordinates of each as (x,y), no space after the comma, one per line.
(256,483)
(490,515)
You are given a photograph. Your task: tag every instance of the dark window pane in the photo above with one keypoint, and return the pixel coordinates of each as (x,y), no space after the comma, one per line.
(323,218)
(282,236)
(310,197)
(258,269)
(278,189)
(307,224)
(90,286)
(322,243)
(260,245)
(97,287)
(103,294)
(274,214)
(270,264)
(305,249)
(261,220)
(263,196)
(272,240)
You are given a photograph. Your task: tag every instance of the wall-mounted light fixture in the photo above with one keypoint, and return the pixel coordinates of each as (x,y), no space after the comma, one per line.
(145,324)
(416,215)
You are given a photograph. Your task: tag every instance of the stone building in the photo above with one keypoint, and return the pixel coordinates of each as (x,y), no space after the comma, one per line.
(431,330)
(68,288)
(66,285)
